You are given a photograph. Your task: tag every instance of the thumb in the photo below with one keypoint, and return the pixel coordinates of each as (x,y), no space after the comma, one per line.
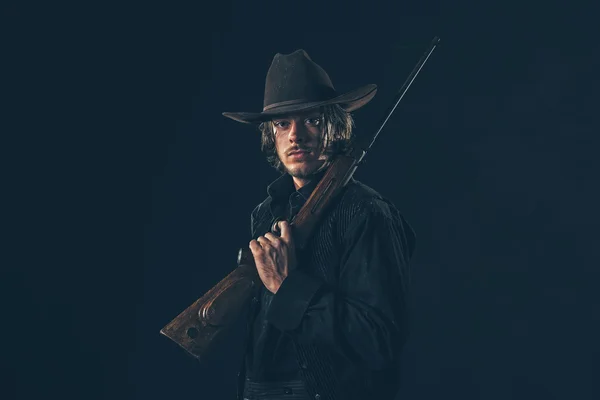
(286,232)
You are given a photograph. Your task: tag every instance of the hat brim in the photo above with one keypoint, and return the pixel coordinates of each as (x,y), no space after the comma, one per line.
(349,101)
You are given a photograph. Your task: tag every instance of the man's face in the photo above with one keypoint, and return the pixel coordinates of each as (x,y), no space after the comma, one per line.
(298,140)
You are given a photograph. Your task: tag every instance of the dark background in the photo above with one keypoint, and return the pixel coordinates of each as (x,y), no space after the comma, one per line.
(129,194)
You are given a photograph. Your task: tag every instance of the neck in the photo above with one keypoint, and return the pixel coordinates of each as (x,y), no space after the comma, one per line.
(300,182)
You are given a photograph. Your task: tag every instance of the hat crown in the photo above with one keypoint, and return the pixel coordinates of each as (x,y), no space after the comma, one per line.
(295,78)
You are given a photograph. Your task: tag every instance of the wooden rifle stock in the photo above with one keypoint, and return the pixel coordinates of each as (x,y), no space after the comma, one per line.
(197,327)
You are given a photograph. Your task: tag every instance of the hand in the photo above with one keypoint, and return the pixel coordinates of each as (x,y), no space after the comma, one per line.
(274,256)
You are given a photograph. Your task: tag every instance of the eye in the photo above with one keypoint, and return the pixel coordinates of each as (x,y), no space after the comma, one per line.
(281,124)
(315,121)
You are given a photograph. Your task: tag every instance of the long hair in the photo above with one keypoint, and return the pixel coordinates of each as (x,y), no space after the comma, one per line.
(338,136)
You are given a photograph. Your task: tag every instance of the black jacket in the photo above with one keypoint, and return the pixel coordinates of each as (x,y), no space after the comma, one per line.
(345,305)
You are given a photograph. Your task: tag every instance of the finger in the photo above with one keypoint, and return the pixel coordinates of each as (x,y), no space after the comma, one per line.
(286,231)
(275,241)
(263,242)
(255,246)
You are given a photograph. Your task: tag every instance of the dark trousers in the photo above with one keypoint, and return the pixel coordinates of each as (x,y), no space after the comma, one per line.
(283,390)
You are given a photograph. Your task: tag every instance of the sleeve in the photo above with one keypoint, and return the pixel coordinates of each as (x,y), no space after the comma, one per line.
(253,220)
(364,318)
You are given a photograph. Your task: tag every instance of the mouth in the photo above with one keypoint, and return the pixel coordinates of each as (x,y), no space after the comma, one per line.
(299,154)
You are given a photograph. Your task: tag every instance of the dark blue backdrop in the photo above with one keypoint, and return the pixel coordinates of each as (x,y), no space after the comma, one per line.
(491,156)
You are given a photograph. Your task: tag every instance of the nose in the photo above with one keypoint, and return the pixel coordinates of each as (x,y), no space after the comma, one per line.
(297,132)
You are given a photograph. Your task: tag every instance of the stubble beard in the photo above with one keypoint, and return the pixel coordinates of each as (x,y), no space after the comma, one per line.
(304,171)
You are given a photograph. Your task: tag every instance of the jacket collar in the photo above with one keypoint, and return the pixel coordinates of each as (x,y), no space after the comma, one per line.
(281,188)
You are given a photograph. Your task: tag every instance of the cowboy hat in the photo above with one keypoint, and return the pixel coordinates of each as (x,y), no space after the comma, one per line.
(295,83)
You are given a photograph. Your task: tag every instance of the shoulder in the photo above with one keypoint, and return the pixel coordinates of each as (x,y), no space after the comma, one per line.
(359,198)
(361,202)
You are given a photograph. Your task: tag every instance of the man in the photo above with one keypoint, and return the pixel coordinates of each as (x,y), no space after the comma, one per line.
(330,321)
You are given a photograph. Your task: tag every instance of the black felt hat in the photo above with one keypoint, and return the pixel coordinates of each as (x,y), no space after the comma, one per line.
(296,83)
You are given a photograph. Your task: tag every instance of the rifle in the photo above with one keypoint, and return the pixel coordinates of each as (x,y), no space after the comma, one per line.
(196,328)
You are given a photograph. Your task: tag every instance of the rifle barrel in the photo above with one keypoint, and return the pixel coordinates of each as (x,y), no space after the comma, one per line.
(405,86)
